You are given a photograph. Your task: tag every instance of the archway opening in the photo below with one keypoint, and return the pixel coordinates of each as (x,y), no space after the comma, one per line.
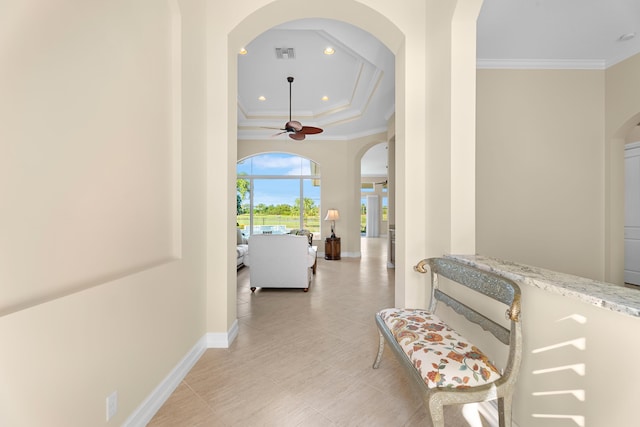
(632,207)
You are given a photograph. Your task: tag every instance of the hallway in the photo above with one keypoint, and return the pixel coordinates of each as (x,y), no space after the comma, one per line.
(304,359)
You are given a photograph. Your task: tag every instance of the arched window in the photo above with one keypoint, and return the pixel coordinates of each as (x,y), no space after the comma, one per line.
(277,193)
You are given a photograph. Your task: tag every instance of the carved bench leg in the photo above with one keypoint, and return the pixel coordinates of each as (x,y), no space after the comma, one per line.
(437,413)
(504,411)
(380,350)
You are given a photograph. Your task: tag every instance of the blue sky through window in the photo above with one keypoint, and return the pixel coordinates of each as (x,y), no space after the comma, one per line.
(277,167)
(275,164)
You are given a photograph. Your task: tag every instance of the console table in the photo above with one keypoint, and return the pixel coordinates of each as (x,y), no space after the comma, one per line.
(332,248)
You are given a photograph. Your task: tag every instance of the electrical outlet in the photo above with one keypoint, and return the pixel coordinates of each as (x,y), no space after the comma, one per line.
(112,405)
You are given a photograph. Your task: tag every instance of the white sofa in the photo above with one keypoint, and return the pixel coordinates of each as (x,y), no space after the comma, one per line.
(241,249)
(280,261)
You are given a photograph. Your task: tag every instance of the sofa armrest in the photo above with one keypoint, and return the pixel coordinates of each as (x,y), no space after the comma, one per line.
(313,254)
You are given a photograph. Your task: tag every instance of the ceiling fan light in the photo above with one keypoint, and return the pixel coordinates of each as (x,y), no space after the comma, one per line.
(293,126)
(626,37)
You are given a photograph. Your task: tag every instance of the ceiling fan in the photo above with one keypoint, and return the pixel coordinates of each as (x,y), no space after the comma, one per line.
(294,128)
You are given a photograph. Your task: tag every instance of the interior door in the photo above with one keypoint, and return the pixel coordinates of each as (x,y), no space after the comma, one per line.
(632,214)
(373,216)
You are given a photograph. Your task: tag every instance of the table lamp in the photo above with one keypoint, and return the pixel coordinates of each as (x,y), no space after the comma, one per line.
(332,215)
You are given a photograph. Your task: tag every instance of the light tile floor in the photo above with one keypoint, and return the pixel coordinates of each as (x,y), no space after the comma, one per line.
(304,359)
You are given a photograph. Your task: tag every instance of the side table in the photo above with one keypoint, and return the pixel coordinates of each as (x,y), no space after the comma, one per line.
(332,248)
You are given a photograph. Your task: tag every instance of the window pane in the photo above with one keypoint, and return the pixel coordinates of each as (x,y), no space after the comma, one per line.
(367,186)
(363,215)
(244,167)
(243,202)
(274,205)
(385,208)
(277,164)
(274,198)
(311,218)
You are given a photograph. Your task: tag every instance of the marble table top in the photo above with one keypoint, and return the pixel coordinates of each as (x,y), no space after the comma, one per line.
(609,296)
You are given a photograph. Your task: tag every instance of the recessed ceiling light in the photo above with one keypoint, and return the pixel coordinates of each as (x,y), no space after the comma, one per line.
(262,98)
(627,36)
(243,51)
(329,51)
(325,98)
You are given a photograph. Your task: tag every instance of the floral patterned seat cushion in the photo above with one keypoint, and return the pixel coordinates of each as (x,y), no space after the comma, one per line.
(442,356)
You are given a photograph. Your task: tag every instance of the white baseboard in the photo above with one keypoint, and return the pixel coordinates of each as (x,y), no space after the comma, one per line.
(344,254)
(148,408)
(222,340)
(143,414)
(351,254)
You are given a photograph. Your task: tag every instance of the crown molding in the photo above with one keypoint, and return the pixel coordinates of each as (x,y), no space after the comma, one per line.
(541,64)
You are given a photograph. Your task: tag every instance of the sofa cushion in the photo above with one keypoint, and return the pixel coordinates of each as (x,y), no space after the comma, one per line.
(241,250)
(303,232)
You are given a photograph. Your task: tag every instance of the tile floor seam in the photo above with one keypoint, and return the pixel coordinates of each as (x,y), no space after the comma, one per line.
(186,383)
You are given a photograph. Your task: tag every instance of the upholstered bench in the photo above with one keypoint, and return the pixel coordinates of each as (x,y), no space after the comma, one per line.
(447,367)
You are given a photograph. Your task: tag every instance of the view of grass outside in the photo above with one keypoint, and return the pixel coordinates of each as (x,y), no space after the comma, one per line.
(290,222)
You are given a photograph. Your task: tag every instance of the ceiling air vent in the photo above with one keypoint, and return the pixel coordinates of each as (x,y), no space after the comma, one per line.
(285,53)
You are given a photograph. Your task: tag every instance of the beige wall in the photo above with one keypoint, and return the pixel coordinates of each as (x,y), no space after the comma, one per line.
(550,193)
(102,250)
(550,162)
(540,168)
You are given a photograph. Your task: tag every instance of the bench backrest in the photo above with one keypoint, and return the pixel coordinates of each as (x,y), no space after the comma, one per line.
(496,287)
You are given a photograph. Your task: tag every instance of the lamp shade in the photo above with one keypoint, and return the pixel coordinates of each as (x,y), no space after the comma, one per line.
(332,215)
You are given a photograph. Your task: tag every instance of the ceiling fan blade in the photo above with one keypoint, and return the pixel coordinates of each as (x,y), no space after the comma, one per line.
(298,136)
(279,133)
(310,130)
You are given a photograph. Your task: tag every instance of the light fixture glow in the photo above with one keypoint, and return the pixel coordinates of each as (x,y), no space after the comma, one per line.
(329,51)
(262,98)
(243,51)
(325,98)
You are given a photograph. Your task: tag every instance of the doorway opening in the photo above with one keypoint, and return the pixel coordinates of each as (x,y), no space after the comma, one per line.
(632,208)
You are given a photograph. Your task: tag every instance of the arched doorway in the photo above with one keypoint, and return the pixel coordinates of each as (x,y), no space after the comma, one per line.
(244,34)
(428,32)
(615,200)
